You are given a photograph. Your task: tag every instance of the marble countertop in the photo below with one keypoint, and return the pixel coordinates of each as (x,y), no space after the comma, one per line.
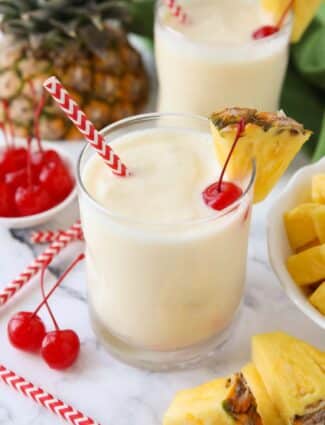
(109,391)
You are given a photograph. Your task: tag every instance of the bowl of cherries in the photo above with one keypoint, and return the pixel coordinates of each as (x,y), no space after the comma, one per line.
(36,180)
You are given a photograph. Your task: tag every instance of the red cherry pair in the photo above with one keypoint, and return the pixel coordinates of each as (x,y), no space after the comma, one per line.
(268,30)
(27,332)
(221,194)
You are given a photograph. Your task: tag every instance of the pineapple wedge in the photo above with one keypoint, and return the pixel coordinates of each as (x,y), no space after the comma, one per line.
(240,400)
(299,223)
(304,11)
(294,375)
(318,188)
(265,406)
(318,216)
(308,266)
(272,139)
(200,406)
(318,298)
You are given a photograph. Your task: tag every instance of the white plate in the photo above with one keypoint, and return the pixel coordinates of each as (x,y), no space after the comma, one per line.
(41,218)
(296,192)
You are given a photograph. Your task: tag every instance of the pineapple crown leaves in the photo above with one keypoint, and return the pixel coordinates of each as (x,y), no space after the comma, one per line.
(52,22)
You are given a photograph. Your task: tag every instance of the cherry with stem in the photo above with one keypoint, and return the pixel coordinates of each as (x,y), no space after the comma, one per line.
(267,30)
(60,348)
(27,332)
(221,194)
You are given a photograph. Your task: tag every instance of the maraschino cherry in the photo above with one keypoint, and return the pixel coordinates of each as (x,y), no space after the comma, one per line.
(7,201)
(27,332)
(60,348)
(221,194)
(33,198)
(268,30)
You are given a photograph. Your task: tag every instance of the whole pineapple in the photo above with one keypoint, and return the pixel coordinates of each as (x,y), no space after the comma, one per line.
(84,43)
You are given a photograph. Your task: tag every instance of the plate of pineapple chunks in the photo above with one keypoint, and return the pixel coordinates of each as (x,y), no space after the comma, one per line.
(284,384)
(296,240)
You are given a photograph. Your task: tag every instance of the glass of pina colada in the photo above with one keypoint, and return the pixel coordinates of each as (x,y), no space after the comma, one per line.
(212,61)
(166,246)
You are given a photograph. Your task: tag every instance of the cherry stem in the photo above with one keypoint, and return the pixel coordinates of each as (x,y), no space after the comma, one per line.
(45,300)
(38,111)
(5,135)
(9,121)
(29,163)
(79,258)
(240,130)
(284,14)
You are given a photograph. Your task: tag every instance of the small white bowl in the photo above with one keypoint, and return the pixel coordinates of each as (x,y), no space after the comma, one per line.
(43,217)
(296,192)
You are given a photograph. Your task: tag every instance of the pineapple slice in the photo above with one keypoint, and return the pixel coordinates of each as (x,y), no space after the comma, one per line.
(294,375)
(265,406)
(272,139)
(300,225)
(200,406)
(240,400)
(318,188)
(304,11)
(318,216)
(318,298)
(308,266)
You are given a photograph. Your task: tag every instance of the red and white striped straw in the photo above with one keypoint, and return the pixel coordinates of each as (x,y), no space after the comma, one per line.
(176,10)
(49,236)
(43,259)
(42,398)
(87,128)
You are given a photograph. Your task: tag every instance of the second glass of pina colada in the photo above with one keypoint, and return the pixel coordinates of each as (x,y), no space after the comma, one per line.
(212,61)
(166,246)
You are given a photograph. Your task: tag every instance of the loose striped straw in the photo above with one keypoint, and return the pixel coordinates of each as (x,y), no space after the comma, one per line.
(49,236)
(42,398)
(176,10)
(87,128)
(43,259)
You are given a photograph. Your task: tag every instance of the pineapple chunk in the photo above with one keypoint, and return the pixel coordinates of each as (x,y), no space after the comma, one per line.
(304,11)
(294,375)
(318,188)
(240,400)
(272,139)
(300,226)
(308,266)
(318,298)
(200,406)
(318,216)
(265,406)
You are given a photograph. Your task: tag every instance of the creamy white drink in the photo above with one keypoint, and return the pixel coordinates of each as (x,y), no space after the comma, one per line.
(165,271)
(212,62)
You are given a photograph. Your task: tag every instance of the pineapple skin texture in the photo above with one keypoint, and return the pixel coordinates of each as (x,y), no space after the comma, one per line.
(308,266)
(300,227)
(318,188)
(108,88)
(265,406)
(317,298)
(304,11)
(200,406)
(292,370)
(272,151)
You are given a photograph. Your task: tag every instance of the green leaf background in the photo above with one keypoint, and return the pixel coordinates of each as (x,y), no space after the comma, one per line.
(303,95)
